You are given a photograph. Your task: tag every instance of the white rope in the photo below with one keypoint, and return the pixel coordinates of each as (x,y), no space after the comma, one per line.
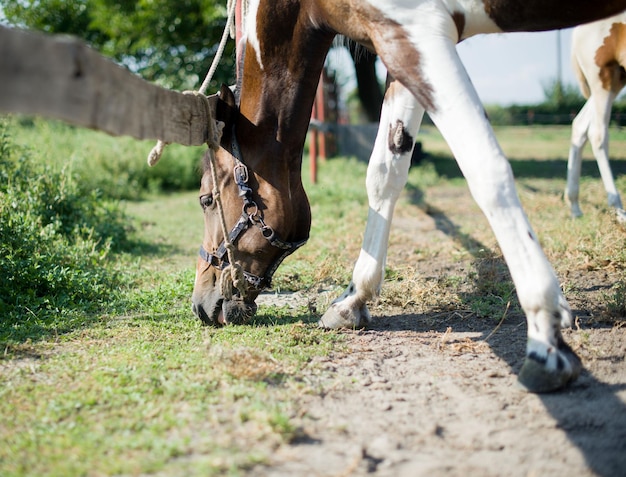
(230,21)
(157,150)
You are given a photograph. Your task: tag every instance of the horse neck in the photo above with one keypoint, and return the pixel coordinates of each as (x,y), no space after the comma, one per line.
(279,82)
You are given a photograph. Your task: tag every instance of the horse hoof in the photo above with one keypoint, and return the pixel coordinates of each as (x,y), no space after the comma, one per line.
(621,216)
(338,316)
(537,377)
(575,211)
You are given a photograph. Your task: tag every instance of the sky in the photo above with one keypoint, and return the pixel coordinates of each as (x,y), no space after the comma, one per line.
(513,68)
(508,68)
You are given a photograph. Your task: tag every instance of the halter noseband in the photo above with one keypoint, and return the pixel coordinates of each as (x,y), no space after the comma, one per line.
(250,216)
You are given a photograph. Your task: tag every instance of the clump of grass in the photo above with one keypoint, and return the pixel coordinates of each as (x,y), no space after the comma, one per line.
(247,363)
(406,288)
(616,301)
(494,291)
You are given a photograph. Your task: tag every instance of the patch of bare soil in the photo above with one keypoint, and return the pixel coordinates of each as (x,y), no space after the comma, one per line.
(425,394)
(415,396)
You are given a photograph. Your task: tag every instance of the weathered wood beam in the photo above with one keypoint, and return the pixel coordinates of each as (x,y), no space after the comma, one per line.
(61,77)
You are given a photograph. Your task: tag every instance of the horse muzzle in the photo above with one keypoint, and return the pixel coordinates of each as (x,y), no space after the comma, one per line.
(213,309)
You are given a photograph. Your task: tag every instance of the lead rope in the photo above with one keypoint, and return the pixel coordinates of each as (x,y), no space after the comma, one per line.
(232,274)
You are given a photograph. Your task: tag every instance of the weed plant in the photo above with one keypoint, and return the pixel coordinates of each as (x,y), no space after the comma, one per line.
(55,240)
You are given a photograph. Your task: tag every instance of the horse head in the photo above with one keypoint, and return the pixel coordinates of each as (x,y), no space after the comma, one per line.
(264,209)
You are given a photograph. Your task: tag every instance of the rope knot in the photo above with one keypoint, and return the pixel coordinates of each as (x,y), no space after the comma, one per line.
(232,278)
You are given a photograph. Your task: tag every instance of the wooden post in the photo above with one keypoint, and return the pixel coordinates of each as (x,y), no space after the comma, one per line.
(321,115)
(317,140)
(313,145)
(60,77)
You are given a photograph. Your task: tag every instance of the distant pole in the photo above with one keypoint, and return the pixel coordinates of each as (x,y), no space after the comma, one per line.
(313,145)
(559,73)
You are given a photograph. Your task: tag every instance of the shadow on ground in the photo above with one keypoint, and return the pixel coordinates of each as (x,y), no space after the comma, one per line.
(588,411)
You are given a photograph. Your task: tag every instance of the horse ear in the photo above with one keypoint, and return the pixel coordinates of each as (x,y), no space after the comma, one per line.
(227,95)
(223,106)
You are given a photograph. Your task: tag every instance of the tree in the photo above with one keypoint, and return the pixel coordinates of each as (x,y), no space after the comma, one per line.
(562,96)
(165,41)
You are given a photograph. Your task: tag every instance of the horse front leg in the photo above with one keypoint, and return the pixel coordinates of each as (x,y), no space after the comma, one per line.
(442,84)
(387,174)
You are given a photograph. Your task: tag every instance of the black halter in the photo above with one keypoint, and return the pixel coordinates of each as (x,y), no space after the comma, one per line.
(250,216)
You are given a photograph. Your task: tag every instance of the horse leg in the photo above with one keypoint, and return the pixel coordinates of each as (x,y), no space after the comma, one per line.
(599,139)
(387,174)
(441,81)
(580,129)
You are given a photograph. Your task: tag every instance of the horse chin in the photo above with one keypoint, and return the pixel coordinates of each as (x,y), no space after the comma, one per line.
(220,312)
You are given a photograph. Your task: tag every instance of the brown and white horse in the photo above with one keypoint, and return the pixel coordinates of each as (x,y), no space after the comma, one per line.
(599,59)
(266,123)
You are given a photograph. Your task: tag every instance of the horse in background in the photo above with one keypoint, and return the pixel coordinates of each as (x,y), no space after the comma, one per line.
(598,59)
(258,167)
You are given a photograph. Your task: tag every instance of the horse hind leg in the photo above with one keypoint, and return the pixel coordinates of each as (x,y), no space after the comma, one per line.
(387,174)
(599,139)
(580,130)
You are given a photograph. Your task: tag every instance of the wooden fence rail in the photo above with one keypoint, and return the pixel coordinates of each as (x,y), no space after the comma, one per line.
(61,77)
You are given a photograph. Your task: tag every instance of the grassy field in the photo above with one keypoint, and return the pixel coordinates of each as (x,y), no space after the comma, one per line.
(140,387)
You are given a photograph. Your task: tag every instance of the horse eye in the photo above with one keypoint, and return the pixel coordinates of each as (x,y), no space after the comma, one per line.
(206,200)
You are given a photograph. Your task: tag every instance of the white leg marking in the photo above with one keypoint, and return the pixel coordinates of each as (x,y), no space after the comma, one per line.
(601,82)
(387,173)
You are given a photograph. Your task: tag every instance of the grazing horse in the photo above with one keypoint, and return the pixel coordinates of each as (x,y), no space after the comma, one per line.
(599,59)
(258,167)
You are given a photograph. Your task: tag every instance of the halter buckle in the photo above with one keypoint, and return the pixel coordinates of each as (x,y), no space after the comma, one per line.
(241,175)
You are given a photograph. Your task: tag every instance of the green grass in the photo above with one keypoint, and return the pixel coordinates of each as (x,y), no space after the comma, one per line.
(136,385)
(141,394)
(114,165)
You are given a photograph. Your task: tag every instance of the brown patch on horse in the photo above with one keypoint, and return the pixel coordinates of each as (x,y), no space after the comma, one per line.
(611,58)
(398,140)
(408,59)
(369,26)
(540,15)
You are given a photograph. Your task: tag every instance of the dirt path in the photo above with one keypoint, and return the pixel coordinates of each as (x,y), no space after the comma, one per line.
(425,395)
(416,397)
